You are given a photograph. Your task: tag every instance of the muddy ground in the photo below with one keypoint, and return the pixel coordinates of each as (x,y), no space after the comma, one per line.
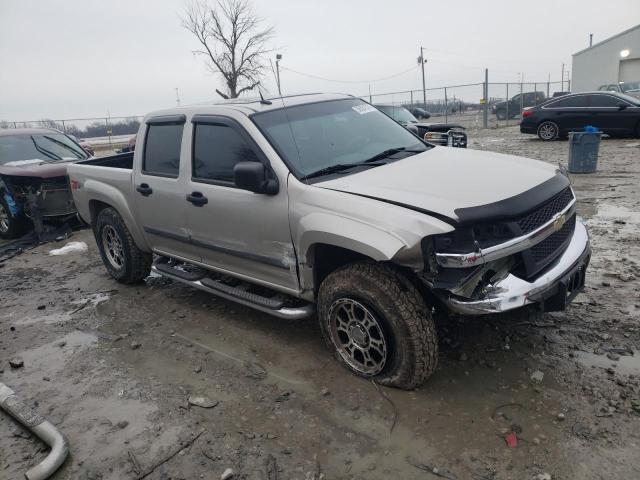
(113,367)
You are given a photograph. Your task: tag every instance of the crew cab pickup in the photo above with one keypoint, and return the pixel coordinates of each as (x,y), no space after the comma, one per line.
(322,203)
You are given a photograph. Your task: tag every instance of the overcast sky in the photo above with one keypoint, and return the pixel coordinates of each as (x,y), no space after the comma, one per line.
(84,58)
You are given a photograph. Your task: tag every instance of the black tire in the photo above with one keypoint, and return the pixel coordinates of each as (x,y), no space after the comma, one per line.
(122,258)
(408,330)
(10,226)
(548,131)
(501,114)
(638,130)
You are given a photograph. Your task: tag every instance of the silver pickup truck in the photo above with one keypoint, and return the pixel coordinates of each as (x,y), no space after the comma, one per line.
(322,202)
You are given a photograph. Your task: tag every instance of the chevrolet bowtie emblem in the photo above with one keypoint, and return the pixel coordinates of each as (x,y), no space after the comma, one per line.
(559,222)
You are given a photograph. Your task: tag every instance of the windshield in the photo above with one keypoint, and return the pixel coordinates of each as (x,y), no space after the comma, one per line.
(630,87)
(399,114)
(49,147)
(320,135)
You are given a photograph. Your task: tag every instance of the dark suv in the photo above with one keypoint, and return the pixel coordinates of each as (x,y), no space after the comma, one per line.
(511,108)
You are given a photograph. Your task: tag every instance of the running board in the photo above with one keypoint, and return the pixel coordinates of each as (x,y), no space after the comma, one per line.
(272,306)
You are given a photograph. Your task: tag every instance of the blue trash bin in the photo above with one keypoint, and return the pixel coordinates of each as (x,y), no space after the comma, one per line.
(583,150)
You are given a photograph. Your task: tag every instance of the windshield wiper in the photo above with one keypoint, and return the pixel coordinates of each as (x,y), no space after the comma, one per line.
(63,145)
(339,168)
(45,152)
(391,151)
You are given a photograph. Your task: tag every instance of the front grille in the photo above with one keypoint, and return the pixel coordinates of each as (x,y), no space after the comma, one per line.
(545,251)
(546,212)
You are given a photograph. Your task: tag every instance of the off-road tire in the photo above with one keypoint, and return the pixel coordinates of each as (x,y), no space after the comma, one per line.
(548,131)
(409,329)
(16,226)
(638,130)
(501,114)
(136,264)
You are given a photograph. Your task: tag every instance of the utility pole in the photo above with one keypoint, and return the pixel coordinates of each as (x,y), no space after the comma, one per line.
(422,61)
(177,97)
(485,111)
(278,58)
(562,81)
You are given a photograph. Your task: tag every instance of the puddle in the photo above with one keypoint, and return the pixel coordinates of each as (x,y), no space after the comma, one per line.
(627,365)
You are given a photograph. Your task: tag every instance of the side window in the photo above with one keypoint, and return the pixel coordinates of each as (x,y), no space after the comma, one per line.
(569,102)
(162,150)
(516,98)
(216,150)
(604,101)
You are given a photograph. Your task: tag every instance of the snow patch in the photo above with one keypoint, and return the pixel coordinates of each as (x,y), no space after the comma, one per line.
(70,248)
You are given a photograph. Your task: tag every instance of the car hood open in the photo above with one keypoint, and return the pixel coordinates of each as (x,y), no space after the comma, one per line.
(442,180)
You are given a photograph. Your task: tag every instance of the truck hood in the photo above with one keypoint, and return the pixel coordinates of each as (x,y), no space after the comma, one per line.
(34,168)
(442,180)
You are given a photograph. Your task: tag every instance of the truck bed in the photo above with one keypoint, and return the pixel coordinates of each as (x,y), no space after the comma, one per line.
(121,160)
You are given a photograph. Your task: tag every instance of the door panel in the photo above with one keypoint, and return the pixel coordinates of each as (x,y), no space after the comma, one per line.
(241,232)
(159,190)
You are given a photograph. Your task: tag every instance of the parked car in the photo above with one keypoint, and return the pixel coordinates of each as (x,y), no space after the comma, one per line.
(444,134)
(629,88)
(323,202)
(420,113)
(512,108)
(33,178)
(612,113)
(559,94)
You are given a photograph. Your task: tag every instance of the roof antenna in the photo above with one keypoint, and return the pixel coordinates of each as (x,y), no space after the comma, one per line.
(262,100)
(226,97)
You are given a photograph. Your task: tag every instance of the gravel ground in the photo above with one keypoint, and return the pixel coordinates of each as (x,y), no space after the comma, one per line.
(114,367)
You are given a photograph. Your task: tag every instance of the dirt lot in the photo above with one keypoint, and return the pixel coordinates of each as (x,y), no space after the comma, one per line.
(113,367)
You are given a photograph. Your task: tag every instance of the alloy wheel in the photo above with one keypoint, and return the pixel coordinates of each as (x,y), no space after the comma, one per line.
(112,246)
(4,219)
(358,336)
(548,131)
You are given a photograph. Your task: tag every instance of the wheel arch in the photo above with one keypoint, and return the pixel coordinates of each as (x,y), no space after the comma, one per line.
(106,196)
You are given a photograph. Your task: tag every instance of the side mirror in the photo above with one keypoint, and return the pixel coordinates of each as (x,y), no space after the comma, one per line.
(252,176)
(622,106)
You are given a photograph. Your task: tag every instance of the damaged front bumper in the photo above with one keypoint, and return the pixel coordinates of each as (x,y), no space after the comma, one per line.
(552,290)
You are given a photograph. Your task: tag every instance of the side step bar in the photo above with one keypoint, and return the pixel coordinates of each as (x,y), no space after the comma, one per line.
(272,306)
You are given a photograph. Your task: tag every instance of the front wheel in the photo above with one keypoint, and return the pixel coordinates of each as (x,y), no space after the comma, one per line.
(121,256)
(378,325)
(11,226)
(548,130)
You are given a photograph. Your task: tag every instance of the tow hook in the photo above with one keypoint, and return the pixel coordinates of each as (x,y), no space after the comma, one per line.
(40,427)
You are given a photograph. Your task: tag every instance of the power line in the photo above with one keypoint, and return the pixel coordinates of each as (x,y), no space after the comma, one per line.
(349,81)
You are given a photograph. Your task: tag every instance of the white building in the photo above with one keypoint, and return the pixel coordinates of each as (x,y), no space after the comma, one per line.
(611,61)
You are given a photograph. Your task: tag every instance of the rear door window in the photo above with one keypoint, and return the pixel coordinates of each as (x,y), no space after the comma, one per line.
(162,150)
(570,102)
(217,148)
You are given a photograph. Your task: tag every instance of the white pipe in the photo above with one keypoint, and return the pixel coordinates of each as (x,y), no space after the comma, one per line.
(40,427)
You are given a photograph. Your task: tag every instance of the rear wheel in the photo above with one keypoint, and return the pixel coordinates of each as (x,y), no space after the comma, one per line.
(638,130)
(548,130)
(121,256)
(501,114)
(378,325)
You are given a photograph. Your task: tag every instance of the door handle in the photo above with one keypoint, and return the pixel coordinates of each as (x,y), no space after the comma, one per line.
(144,189)
(197,198)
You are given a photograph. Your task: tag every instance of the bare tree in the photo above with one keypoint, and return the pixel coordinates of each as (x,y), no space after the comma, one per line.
(232,41)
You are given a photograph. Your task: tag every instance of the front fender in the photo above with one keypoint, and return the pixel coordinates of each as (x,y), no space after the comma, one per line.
(348,233)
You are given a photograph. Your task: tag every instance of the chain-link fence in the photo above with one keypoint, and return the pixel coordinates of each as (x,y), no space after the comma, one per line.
(465,104)
(461,104)
(108,130)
